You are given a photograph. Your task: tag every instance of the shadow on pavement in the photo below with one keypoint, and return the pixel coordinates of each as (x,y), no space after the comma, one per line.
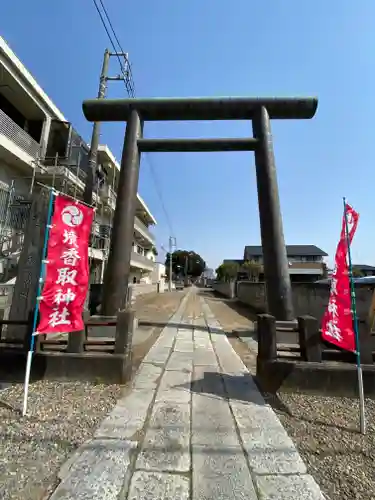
(183,326)
(234,387)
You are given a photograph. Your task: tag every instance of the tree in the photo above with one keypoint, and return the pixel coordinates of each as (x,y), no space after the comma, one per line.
(185,263)
(154,251)
(227,271)
(252,269)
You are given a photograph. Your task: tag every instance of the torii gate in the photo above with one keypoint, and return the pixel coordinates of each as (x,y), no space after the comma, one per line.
(259,110)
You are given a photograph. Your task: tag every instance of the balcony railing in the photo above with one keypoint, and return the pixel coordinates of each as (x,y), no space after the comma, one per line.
(143,230)
(16,134)
(142,260)
(110,195)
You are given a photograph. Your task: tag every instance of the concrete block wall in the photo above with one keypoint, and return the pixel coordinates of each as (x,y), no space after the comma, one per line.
(308,298)
(226,289)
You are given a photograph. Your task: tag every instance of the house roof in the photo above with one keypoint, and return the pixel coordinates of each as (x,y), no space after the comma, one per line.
(291,250)
(364,267)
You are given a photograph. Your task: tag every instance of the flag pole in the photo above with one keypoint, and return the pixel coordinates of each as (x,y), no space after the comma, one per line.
(36,309)
(362,417)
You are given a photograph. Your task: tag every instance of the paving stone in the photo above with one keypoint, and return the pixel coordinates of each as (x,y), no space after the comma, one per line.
(128,416)
(175,387)
(184,346)
(180,361)
(98,472)
(301,487)
(271,451)
(252,414)
(166,446)
(166,338)
(229,361)
(147,377)
(212,422)
(221,473)
(202,342)
(207,380)
(204,357)
(185,333)
(158,486)
(243,388)
(157,355)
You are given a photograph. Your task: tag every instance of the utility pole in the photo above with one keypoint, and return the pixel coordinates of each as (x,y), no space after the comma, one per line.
(172,242)
(92,159)
(186,269)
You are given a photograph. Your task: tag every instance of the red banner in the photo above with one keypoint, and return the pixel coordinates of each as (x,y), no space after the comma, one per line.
(67,270)
(337,323)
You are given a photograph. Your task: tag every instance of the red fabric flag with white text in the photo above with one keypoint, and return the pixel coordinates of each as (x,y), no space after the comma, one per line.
(67,270)
(337,323)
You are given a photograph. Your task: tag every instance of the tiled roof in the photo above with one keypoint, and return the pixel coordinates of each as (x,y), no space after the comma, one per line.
(291,250)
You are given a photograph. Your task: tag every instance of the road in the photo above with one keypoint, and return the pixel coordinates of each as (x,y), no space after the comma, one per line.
(193,425)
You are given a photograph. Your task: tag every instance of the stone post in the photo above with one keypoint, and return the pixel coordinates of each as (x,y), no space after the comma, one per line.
(124,338)
(309,339)
(26,286)
(267,348)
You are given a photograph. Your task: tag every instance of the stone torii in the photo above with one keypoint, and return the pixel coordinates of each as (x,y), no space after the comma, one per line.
(258,110)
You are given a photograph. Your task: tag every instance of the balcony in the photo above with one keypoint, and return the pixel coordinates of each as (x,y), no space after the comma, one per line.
(10,130)
(143,231)
(109,195)
(138,260)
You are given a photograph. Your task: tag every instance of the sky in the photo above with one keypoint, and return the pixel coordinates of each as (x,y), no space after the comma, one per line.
(220,48)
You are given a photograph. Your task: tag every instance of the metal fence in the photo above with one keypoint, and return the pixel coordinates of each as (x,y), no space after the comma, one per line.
(17,135)
(14,214)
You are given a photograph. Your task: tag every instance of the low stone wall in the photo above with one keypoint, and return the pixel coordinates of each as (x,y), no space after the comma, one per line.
(226,289)
(308,298)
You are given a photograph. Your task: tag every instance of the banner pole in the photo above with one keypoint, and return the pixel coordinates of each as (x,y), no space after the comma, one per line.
(36,309)
(362,417)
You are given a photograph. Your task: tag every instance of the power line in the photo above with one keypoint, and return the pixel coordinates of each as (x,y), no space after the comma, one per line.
(129,81)
(130,87)
(159,193)
(127,71)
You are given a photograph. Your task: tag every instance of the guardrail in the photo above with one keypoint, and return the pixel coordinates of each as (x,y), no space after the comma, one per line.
(17,135)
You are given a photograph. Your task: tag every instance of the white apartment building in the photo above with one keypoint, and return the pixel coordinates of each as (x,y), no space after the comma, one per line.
(38,146)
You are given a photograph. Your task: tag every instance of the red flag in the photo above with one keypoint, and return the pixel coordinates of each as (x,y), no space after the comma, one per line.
(337,323)
(67,270)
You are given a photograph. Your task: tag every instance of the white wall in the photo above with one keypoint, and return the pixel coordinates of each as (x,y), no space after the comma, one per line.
(158,272)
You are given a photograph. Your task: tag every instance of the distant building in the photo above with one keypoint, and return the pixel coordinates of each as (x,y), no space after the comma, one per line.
(306,262)
(158,272)
(364,269)
(209,274)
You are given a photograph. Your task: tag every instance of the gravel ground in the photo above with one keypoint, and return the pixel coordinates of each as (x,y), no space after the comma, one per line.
(324,429)
(62,417)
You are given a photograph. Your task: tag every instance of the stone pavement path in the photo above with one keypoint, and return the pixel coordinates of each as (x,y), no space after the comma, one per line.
(194,426)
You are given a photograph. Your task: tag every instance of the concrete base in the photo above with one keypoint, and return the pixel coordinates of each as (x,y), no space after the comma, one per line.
(88,366)
(331,379)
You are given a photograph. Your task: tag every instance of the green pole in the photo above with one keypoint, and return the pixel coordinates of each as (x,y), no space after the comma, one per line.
(355,325)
